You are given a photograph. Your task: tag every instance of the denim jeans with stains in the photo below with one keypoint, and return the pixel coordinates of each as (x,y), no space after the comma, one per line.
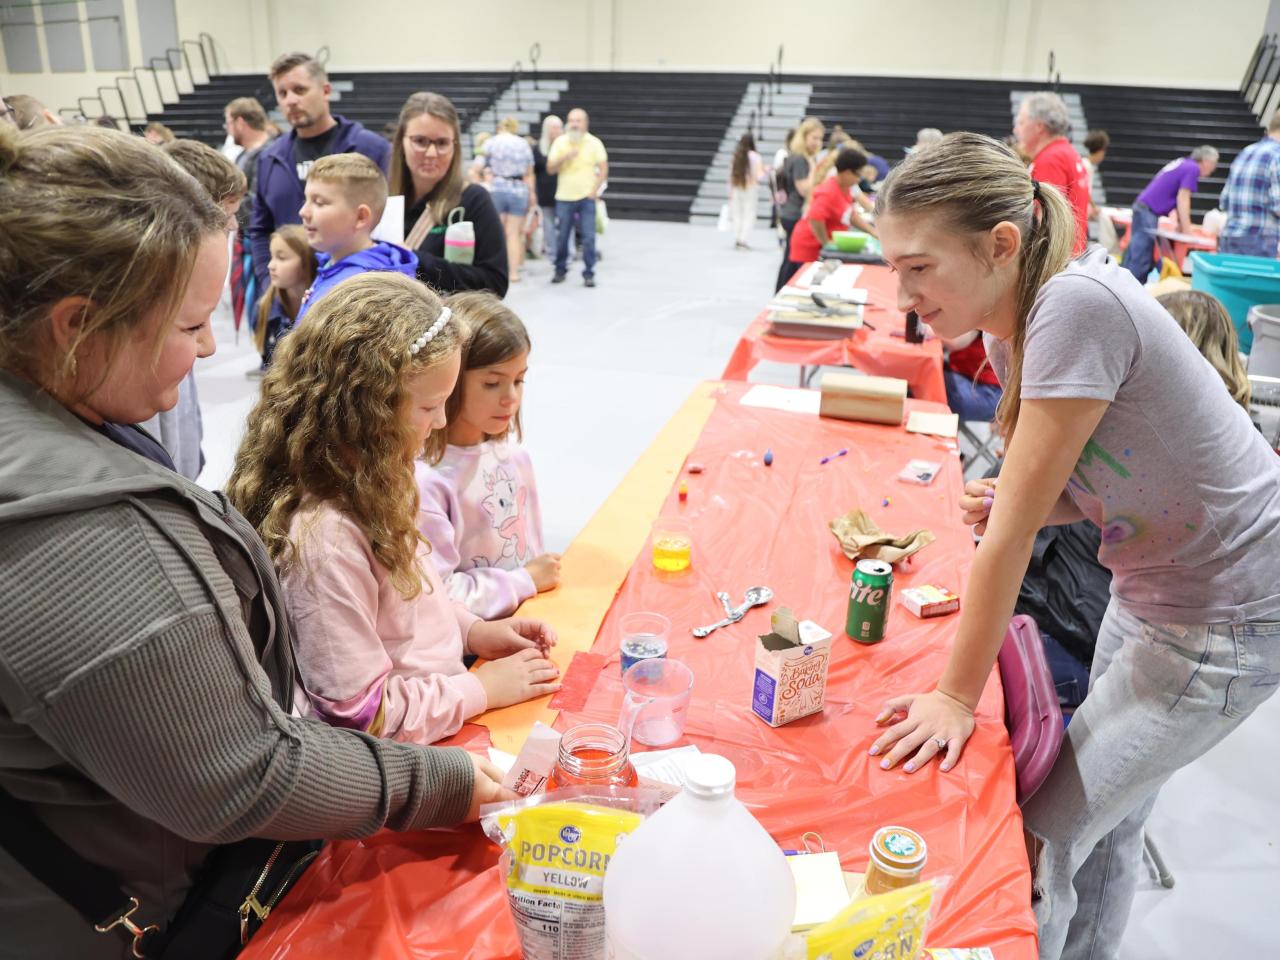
(1160,695)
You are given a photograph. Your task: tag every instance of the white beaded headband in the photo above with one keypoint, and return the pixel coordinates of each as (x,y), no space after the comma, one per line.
(430,335)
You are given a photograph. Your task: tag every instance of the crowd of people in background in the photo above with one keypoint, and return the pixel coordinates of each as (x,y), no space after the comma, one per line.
(392,379)
(321,573)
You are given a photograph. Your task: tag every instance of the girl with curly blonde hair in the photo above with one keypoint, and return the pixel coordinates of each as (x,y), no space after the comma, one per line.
(325,473)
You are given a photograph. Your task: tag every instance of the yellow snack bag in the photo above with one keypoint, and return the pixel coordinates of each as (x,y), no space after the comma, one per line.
(556,856)
(888,927)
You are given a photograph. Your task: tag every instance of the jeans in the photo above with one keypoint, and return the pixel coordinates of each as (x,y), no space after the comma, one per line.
(510,197)
(972,401)
(1142,242)
(1249,245)
(549,232)
(571,213)
(1160,695)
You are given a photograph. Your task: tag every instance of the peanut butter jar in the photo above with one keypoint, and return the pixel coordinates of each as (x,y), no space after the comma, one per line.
(897,858)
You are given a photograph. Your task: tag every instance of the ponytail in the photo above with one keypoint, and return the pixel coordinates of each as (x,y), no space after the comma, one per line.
(1046,249)
(973,182)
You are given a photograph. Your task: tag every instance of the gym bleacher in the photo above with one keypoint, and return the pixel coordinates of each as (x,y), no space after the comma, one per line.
(662,130)
(373,99)
(1149,126)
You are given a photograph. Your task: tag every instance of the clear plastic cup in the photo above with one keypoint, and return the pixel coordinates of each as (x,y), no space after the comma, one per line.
(656,705)
(644,637)
(672,543)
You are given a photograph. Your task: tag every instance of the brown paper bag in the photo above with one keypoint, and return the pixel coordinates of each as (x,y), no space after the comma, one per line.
(861,539)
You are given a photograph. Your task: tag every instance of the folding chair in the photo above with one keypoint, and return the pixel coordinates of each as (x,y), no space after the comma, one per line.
(984,450)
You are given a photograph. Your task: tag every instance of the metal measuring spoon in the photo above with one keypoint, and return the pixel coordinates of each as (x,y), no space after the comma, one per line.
(754,598)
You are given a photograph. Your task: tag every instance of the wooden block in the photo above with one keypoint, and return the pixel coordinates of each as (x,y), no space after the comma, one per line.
(875,399)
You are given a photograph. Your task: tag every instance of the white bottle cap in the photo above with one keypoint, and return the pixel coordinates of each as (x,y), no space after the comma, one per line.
(710,776)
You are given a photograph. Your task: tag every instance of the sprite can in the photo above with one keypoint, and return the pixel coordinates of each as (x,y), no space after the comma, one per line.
(869,601)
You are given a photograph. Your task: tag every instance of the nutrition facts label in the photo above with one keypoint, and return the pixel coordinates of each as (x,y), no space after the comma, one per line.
(559,929)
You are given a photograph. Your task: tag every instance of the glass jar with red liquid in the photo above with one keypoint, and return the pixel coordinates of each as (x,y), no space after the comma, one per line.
(592,755)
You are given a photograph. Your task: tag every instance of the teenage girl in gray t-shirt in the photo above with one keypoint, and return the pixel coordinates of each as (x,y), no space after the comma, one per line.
(1111,414)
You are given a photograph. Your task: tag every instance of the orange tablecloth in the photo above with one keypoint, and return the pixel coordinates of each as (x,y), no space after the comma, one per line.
(876,351)
(438,893)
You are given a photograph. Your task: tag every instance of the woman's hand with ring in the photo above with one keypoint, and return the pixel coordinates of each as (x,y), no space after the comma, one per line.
(935,724)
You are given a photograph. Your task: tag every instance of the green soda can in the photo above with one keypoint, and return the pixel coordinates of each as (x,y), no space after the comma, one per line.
(869,601)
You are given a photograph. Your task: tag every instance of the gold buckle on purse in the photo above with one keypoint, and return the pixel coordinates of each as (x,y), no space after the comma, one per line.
(124,920)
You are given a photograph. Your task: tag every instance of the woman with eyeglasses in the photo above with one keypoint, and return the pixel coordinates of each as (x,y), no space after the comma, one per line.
(426,167)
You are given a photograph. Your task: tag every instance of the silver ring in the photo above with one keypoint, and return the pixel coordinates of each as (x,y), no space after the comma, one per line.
(940,742)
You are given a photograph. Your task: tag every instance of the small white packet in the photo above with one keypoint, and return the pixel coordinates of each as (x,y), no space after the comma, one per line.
(920,471)
(537,758)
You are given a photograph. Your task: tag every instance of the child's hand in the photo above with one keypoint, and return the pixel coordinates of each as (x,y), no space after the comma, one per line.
(487,787)
(545,570)
(517,678)
(494,639)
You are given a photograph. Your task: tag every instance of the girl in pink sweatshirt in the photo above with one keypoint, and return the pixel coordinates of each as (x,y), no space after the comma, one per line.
(325,473)
(479,498)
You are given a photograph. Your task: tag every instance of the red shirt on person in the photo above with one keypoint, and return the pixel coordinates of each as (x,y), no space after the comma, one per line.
(830,204)
(1059,164)
(967,361)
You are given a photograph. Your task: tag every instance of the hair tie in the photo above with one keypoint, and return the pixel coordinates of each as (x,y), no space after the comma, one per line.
(432,331)
(1035,191)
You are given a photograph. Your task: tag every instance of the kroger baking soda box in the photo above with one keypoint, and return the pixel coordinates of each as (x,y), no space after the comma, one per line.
(791,669)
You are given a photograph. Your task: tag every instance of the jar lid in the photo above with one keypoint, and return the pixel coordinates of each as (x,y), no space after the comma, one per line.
(898,847)
(710,776)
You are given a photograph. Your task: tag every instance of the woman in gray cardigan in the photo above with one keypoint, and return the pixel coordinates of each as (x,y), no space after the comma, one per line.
(146,677)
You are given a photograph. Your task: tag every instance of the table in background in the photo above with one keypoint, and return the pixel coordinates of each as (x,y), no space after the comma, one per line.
(439,893)
(1177,243)
(873,351)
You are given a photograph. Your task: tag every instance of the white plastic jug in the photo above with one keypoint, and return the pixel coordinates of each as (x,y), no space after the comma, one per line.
(459,238)
(699,879)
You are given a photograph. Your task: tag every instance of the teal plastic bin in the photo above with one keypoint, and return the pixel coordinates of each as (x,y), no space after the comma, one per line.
(1239,282)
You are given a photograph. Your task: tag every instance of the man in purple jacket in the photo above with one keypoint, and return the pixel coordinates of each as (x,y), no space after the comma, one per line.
(1169,190)
(302,91)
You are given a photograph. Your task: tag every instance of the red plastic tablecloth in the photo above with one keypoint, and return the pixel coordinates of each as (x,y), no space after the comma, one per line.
(438,893)
(875,352)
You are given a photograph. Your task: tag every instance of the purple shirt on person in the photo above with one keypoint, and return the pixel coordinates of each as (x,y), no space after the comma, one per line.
(1161,194)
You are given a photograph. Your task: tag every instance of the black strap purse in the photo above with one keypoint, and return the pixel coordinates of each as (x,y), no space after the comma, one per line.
(233,893)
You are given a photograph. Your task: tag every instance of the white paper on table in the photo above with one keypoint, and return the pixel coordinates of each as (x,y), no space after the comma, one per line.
(842,278)
(803,276)
(782,398)
(664,765)
(391,227)
(935,424)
